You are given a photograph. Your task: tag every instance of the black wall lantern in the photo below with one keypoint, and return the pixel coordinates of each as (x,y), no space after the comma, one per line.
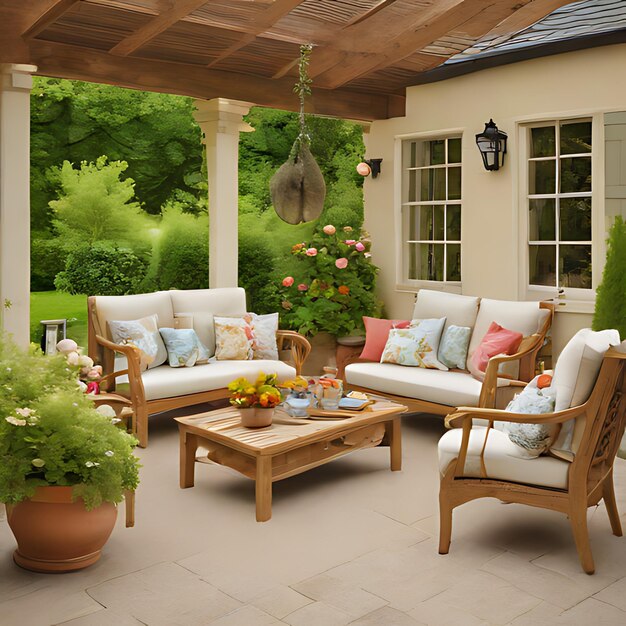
(492,145)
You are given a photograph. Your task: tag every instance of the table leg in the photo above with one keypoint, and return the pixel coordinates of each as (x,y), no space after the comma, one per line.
(263,488)
(188,447)
(394,438)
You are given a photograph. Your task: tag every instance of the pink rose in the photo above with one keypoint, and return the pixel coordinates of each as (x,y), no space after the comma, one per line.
(350,242)
(329,229)
(311,252)
(347,229)
(302,287)
(341,263)
(288,281)
(360,247)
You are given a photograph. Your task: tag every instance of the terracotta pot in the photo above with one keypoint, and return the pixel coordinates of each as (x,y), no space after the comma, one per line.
(256,417)
(323,346)
(55,534)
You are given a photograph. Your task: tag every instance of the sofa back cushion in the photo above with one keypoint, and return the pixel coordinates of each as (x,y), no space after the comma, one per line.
(458,310)
(133,307)
(202,305)
(521,317)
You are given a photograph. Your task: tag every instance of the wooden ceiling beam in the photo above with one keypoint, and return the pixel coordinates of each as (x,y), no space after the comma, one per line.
(265,21)
(78,63)
(179,10)
(527,15)
(49,16)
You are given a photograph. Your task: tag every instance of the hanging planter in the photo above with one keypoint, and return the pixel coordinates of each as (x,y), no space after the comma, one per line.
(298,189)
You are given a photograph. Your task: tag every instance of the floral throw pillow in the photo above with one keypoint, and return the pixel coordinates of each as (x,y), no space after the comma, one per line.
(264,328)
(415,346)
(184,348)
(144,334)
(233,339)
(453,346)
(533,438)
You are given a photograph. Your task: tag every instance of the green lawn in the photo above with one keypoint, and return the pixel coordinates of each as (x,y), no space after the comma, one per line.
(45,305)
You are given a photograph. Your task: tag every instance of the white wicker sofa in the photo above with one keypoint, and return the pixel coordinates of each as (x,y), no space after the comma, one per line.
(164,388)
(439,392)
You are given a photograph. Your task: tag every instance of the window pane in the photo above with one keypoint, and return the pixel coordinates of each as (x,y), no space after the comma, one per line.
(413,264)
(453,223)
(412,186)
(413,157)
(412,212)
(542,142)
(435,152)
(425,223)
(576,138)
(575,266)
(542,265)
(575,174)
(454,183)
(433,184)
(542,176)
(430,259)
(542,220)
(426,184)
(575,219)
(454,150)
(453,268)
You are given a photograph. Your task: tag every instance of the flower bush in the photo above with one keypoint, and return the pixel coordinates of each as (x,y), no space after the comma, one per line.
(332,285)
(262,393)
(50,433)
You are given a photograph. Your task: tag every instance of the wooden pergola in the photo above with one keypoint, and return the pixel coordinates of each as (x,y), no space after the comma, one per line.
(229,55)
(366,51)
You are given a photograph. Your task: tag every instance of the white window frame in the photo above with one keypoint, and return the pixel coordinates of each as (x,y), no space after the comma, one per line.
(401,218)
(577,299)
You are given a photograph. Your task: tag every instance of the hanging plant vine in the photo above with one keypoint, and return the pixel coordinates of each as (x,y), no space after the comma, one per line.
(298,189)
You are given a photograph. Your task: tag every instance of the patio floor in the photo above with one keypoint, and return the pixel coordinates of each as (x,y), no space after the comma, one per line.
(349,543)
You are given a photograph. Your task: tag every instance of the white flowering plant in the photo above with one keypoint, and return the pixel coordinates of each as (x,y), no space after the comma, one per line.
(51,434)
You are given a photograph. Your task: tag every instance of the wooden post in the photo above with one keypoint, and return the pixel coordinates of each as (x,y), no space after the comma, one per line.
(392,430)
(263,488)
(188,447)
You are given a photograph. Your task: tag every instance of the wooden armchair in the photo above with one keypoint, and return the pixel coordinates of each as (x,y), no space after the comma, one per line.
(588,478)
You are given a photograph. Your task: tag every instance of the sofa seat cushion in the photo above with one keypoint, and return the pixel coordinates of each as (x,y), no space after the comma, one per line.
(503,459)
(451,388)
(168,382)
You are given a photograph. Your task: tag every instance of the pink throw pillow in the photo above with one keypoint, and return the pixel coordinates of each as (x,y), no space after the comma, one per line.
(376,335)
(497,340)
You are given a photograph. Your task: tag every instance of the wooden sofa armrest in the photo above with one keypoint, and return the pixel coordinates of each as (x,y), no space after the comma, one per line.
(133,358)
(465,414)
(529,344)
(299,345)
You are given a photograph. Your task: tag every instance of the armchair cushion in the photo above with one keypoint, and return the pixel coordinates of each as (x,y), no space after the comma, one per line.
(504,460)
(575,375)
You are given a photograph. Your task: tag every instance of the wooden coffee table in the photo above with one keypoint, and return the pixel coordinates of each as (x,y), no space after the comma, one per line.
(283,449)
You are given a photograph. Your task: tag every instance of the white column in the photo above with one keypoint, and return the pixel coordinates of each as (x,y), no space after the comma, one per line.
(221,122)
(15,85)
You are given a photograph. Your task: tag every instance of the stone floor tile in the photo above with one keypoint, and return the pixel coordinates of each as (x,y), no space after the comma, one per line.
(563,591)
(337,593)
(591,612)
(318,614)
(48,607)
(435,612)
(489,598)
(614,594)
(246,616)
(387,617)
(281,601)
(104,617)
(164,595)
(541,615)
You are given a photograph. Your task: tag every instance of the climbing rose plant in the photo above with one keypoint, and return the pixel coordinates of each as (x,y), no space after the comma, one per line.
(332,285)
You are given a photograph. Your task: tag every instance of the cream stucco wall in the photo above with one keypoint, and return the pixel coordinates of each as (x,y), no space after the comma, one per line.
(583,83)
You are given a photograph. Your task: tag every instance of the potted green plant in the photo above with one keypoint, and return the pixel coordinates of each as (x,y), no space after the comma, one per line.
(331,288)
(63,465)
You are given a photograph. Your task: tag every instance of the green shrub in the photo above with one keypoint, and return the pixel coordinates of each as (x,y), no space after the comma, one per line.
(256,273)
(47,259)
(101,269)
(611,293)
(181,255)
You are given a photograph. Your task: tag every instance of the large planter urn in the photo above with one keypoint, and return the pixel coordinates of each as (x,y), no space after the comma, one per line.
(256,417)
(55,534)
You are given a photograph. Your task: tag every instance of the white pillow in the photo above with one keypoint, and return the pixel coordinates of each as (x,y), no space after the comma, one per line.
(453,346)
(144,334)
(534,439)
(264,329)
(575,375)
(233,339)
(415,346)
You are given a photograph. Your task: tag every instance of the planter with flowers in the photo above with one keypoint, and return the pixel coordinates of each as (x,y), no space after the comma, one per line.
(331,287)
(255,401)
(63,465)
